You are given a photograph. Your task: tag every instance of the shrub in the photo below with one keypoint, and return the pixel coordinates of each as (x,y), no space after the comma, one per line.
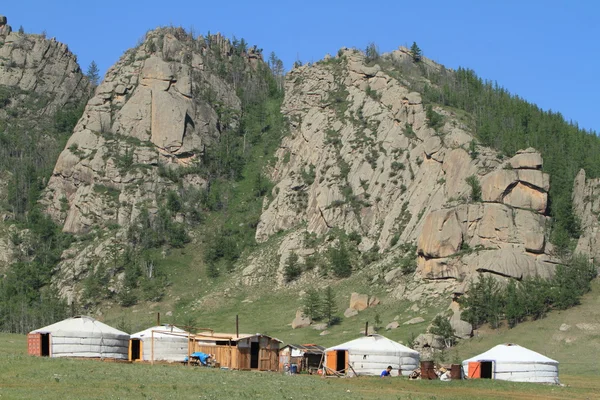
(473,182)
(292,268)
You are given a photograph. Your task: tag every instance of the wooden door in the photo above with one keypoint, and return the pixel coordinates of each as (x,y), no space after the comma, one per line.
(244,358)
(331,362)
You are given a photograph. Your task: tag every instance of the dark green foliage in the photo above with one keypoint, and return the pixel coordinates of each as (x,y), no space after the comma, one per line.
(441,326)
(261,185)
(21,29)
(473,150)
(571,282)
(292,268)
(339,259)
(415,52)
(473,182)
(371,53)
(93,74)
(488,302)
(173,202)
(312,307)
(434,120)
(329,307)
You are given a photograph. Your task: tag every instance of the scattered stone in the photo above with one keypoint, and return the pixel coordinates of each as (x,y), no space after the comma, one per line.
(169,313)
(564,327)
(324,333)
(416,320)
(374,301)
(301,321)
(396,318)
(319,327)
(588,327)
(392,325)
(392,275)
(350,312)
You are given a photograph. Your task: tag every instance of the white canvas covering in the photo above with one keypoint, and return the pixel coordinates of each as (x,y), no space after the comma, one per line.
(86,337)
(369,355)
(511,362)
(170,343)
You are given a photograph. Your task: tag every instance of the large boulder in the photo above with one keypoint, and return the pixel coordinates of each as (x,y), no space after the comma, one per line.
(527,159)
(301,321)
(511,263)
(359,302)
(523,196)
(495,184)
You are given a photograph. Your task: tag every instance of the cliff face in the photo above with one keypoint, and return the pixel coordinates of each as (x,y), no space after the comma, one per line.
(157,109)
(586,203)
(152,118)
(366,156)
(38,78)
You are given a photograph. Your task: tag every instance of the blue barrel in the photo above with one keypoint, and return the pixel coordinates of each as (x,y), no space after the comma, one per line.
(293,368)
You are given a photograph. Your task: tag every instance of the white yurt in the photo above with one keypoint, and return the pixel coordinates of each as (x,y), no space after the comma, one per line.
(160,343)
(79,337)
(369,355)
(511,362)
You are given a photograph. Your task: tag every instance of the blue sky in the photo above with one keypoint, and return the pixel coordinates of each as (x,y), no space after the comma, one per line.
(547,52)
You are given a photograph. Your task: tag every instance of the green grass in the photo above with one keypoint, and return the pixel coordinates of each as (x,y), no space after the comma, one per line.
(27,377)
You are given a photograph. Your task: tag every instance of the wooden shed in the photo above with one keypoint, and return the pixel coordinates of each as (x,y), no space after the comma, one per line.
(306,356)
(242,352)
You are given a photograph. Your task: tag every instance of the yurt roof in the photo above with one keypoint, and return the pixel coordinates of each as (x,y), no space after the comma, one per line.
(160,330)
(511,353)
(79,324)
(377,343)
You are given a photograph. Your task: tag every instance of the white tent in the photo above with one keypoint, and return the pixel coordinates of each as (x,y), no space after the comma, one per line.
(160,343)
(511,362)
(369,355)
(79,337)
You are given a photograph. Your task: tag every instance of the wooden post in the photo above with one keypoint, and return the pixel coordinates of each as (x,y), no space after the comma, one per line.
(158,319)
(367,328)
(237,327)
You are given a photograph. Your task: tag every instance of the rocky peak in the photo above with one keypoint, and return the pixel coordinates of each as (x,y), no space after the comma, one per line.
(32,63)
(363,156)
(158,108)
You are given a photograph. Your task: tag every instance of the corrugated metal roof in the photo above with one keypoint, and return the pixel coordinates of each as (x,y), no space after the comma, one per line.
(308,348)
(216,336)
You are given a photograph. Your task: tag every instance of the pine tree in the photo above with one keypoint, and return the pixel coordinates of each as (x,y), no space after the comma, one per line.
(93,74)
(340,261)
(312,304)
(371,52)
(292,269)
(415,52)
(329,306)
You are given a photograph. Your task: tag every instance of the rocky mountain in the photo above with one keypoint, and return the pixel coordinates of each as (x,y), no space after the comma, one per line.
(41,83)
(364,157)
(144,133)
(368,170)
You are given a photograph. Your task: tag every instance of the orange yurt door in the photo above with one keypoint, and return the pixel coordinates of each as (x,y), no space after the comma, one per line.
(474,370)
(331,361)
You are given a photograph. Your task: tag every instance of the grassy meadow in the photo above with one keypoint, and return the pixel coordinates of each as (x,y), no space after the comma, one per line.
(27,377)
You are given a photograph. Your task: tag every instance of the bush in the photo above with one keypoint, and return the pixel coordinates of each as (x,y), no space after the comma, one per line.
(339,259)
(473,182)
(441,326)
(292,268)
